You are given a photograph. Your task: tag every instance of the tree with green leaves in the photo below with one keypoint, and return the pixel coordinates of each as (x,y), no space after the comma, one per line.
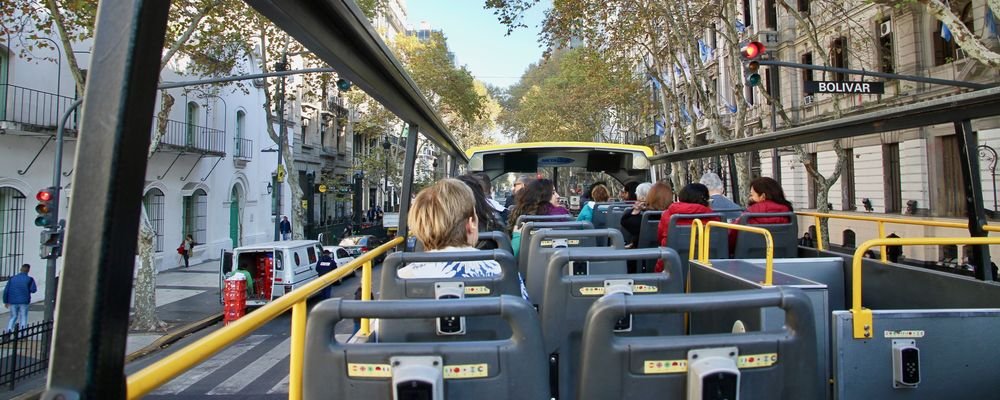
(196,31)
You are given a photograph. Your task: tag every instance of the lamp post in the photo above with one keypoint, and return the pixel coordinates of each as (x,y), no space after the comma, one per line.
(58,65)
(280,66)
(385,200)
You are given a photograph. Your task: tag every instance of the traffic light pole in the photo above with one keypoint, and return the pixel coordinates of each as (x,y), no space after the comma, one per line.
(283,65)
(50,262)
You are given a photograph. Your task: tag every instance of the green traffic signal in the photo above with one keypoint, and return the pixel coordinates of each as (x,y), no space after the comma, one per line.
(343,84)
(753,79)
(41,221)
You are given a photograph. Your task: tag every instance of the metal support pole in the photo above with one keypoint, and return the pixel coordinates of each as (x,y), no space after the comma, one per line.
(968,156)
(88,352)
(50,265)
(281,146)
(734,180)
(773,87)
(409,162)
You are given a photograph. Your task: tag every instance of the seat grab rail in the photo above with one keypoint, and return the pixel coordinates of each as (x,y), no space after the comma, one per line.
(769,260)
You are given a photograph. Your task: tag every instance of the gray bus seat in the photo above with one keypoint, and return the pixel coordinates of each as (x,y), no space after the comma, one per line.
(601,209)
(614,219)
(512,367)
(679,238)
(785,236)
(772,364)
(647,236)
(501,240)
(567,298)
(529,229)
(392,287)
(542,218)
(545,242)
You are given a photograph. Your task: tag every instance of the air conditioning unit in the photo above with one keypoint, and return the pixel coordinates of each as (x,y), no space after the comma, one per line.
(258,83)
(769,38)
(808,99)
(885,28)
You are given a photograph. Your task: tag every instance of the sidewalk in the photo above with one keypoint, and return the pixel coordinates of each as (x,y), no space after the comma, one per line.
(186,299)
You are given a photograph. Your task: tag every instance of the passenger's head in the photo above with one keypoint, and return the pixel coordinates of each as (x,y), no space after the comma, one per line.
(483,209)
(590,189)
(487,183)
(535,198)
(444,214)
(25,268)
(629,191)
(660,196)
(765,188)
(600,193)
(694,193)
(521,182)
(712,182)
(642,191)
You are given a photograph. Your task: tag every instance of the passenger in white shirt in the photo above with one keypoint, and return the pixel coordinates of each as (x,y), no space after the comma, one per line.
(444,218)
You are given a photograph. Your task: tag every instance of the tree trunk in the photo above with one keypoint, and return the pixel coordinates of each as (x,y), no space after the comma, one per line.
(742,174)
(298,212)
(145,319)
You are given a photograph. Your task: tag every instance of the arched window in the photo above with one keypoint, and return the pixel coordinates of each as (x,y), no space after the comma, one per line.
(850,239)
(196,216)
(153,201)
(191,122)
(838,57)
(11,231)
(241,126)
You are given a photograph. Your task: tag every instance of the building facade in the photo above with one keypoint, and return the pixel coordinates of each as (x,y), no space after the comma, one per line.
(907,173)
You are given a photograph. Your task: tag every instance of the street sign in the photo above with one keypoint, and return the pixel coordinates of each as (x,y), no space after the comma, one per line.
(845,87)
(281,173)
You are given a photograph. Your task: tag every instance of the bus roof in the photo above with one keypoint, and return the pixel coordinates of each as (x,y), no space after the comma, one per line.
(555,146)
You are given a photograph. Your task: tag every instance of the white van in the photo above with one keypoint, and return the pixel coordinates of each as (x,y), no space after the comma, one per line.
(275,267)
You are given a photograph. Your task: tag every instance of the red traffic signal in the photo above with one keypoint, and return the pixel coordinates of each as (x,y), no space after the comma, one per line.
(46,207)
(752,50)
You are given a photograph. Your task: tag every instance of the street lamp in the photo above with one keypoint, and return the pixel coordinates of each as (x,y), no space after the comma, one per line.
(385,146)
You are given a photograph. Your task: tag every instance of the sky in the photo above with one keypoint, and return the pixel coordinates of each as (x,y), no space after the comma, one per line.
(478,39)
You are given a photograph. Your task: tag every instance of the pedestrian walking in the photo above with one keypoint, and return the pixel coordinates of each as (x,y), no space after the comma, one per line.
(17,297)
(185,249)
(286,229)
(324,266)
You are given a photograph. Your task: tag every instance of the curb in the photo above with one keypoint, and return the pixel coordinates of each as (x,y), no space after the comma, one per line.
(173,336)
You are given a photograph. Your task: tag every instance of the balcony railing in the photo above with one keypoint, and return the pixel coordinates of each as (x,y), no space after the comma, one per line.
(33,110)
(243,149)
(192,137)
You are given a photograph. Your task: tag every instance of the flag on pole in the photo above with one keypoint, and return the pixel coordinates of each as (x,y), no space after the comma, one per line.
(704,50)
(991,24)
(684,113)
(658,126)
(740,27)
(945,32)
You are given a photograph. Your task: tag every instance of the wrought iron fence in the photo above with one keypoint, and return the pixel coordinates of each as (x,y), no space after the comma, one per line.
(193,137)
(24,352)
(33,109)
(243,149)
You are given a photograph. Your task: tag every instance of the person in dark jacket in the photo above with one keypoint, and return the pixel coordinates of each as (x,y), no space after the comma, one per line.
(693,199)
(17,297)
(324,266)
(286,229)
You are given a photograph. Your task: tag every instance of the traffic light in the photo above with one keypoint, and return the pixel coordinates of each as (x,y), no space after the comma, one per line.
(46,208)
(751,52)
(51,243)
(343,84)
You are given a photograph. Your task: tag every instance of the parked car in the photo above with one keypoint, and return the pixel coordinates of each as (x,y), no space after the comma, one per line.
(360,244)
(341,256)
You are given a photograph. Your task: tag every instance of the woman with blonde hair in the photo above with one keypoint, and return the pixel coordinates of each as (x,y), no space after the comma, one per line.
(444,218)
(598,194)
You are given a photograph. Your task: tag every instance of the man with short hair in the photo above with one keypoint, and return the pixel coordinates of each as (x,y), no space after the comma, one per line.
(17,297)
(719,202)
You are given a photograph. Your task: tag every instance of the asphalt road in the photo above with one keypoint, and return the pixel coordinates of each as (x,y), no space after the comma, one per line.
(256,367)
